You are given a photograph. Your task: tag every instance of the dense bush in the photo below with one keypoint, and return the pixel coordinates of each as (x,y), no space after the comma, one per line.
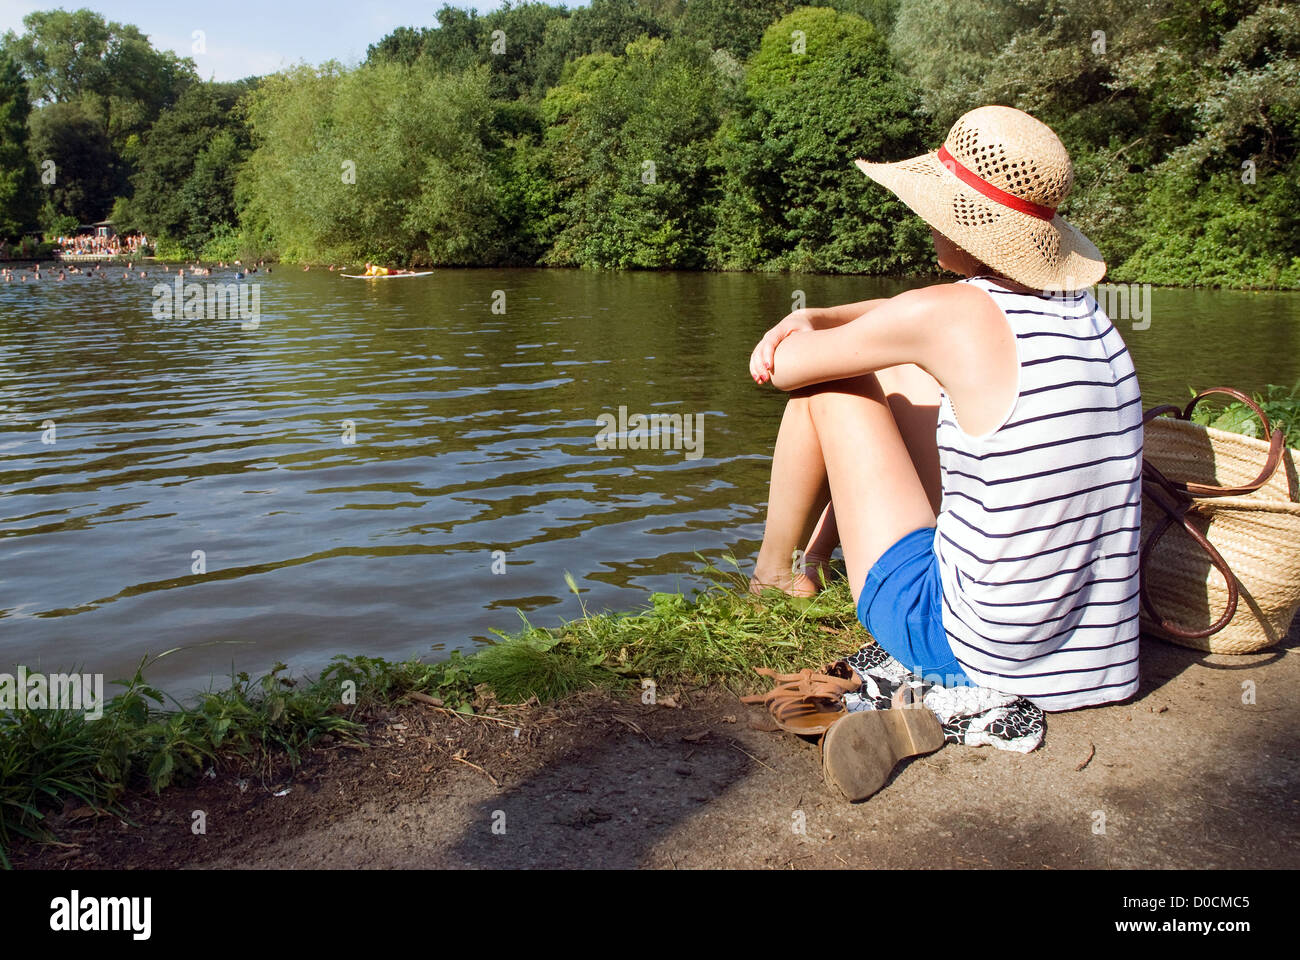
(793,197)
(391,162)
(628,142)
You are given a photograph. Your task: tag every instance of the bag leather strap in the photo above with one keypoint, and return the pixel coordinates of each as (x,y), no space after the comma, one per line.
(1177,499)
(1276,444)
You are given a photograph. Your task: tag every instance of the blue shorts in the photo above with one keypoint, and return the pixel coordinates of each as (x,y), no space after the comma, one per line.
(901,605)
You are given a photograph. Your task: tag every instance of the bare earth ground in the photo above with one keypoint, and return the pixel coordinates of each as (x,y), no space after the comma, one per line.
(1184,776)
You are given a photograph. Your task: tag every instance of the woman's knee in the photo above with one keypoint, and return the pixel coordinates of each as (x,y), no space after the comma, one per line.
(821,394)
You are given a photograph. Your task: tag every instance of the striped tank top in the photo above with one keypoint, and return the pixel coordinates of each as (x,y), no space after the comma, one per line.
(1037,537)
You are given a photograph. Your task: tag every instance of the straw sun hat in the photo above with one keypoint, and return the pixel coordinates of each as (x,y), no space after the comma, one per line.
(993,189)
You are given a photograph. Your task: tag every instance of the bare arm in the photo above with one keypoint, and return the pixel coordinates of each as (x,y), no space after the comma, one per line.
(825,317)
(955,332)
(893,332)
(806,318)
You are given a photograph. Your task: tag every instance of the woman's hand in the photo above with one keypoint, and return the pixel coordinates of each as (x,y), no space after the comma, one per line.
(760,361)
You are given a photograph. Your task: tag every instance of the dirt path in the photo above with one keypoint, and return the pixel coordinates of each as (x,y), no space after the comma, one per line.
(1184,776)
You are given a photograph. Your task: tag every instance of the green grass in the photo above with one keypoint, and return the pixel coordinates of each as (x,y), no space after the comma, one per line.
(147,739)
(719,636)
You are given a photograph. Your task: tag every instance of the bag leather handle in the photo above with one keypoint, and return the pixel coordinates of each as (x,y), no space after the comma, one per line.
(1176,505)
(1275,445)
(1177,499)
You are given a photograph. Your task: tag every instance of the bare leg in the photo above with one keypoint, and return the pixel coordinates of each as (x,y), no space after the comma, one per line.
(914,400)
(817,555)
(878,495)
(797,494)
(799,471)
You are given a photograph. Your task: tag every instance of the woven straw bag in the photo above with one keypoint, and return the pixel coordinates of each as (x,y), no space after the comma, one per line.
(1229,581)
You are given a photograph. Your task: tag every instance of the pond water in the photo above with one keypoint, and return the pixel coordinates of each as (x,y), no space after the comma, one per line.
(475,447)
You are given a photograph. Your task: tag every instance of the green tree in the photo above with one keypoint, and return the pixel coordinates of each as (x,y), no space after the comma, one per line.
(508,41)
(112,67)
(1223,207)
(387,162)
(822,90)
(184,184)
(96,87)
(947,45)
(1160,103)
(86,171)
(681,133)
(606,26)
(880,14)
(630,142)
(518,71)
(738,27)
(404,45)
(62,54)
(19,199)
(735,27)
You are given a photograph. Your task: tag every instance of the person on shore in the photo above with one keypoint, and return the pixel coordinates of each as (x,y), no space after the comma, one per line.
(974,447)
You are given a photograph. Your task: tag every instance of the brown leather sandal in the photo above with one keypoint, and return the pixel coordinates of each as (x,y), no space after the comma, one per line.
(807,703)
(861,750)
